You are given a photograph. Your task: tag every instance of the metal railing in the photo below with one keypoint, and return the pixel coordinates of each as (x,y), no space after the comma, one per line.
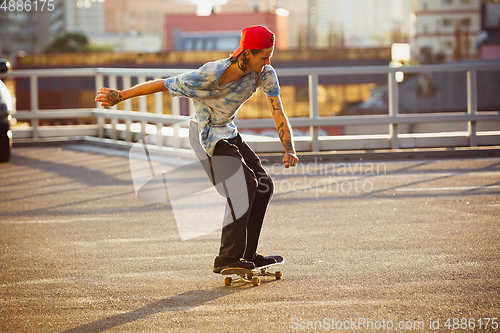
(130,126)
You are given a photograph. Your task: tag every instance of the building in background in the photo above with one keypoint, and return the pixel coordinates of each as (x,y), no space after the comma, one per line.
(334,23)
(32,31)
(136,26)
(358,23)
(446,30)
(127,25)
(219,32)
(143,17)
(18,32)
(440,29)
(85,16)
(489,39)
(295,10)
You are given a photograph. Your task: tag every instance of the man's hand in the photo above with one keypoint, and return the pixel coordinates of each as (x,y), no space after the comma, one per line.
(290,160)
(108,97)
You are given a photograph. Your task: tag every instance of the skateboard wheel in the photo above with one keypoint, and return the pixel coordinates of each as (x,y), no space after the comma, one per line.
(227,281)
(255,281)
(278,275)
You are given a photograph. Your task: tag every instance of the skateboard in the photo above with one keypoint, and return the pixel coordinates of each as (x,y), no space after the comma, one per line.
(252,275)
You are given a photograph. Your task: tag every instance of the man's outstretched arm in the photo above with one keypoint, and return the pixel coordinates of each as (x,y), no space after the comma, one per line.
(284,131)
(110,97)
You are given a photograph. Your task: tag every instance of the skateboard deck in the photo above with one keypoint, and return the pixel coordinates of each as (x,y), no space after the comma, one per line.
(252,275)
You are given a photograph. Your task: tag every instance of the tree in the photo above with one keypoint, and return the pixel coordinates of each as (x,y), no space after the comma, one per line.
(73,42)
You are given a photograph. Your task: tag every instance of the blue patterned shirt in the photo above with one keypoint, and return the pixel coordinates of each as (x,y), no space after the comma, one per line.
(216,106)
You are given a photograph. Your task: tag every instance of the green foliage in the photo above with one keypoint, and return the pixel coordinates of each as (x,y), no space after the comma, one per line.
(99,48)
(74,43)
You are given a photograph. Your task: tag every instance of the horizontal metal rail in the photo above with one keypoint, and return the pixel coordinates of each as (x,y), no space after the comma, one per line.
(136,116)
(54,114)
(363,70)
(374,120)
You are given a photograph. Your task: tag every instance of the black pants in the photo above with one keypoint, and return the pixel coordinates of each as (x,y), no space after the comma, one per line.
(240,238)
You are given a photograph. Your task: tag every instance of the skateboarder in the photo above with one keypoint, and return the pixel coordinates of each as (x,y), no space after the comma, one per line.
(218,89)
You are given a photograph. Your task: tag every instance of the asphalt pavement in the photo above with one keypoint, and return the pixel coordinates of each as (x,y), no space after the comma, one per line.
(369,246)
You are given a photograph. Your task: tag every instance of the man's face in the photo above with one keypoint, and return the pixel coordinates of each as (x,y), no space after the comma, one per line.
(258,61)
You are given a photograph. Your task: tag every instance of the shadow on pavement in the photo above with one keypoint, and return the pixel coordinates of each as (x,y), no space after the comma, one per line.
(78,173)
(181,302)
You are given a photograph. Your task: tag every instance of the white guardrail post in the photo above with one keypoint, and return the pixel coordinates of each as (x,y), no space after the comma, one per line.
(159,110)
(127,106)
(472,106)
(393,109)
(34,104)
(176,111)
(114,122)
(143,106)
(99,83)
(313,111)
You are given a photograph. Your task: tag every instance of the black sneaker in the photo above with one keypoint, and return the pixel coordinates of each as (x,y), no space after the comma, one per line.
(259,260)
(227,262)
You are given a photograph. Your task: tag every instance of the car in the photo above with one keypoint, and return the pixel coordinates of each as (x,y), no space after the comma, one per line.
(5,116)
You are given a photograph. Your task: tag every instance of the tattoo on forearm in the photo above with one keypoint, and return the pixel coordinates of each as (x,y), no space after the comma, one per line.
(281,132)
(286,141)
(277,106)
(114,96)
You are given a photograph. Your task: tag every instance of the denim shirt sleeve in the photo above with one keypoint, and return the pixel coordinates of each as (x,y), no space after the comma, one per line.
(268,82)
(196,84)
